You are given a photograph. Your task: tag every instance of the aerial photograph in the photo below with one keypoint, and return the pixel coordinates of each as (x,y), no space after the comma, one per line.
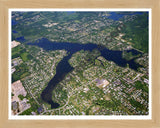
(79,63)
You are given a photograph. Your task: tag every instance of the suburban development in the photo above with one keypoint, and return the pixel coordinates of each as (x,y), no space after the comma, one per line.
(80,63)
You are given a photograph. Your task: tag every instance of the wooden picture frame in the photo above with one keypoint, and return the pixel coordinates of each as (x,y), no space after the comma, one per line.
(4,56)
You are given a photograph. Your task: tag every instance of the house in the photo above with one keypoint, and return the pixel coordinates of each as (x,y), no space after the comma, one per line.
(40,110)
(14,105)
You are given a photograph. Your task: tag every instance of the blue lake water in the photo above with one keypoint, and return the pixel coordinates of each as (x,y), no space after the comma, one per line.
(116,16)
(14,22)
(14,31)
(20,39)
(70,12)
(63,67)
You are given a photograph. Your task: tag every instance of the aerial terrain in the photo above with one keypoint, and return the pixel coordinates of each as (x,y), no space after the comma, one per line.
(79,63)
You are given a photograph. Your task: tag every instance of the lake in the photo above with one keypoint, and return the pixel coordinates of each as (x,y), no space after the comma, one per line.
(117,15)
(63,67)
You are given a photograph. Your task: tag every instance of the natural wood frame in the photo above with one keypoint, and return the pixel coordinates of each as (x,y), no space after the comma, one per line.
(4,9)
